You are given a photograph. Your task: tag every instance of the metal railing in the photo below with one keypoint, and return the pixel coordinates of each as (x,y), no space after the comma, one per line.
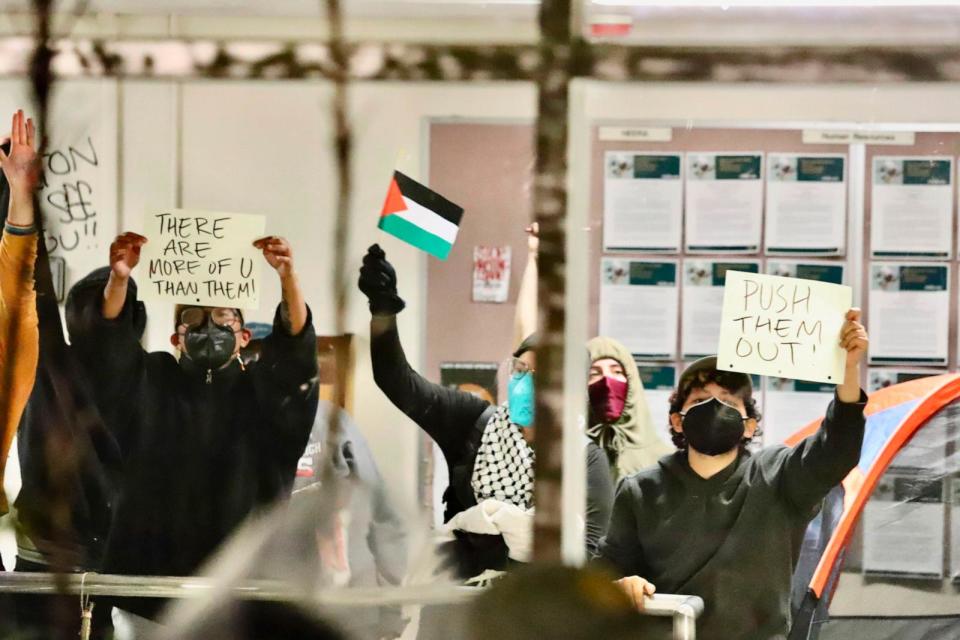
(683,609)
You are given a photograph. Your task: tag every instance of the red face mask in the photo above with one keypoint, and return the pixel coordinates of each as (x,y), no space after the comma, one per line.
(607,397)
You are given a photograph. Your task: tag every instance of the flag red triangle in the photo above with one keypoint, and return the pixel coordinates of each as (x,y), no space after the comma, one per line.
(394,201)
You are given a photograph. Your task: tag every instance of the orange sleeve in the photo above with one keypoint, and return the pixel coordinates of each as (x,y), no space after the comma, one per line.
(19,338)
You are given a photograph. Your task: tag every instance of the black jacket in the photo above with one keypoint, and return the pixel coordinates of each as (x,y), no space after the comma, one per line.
(61,416)
(455,420)
(197,457)
(732,539)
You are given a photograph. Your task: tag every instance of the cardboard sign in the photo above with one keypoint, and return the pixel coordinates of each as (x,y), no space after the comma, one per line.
(783,327)
(202,258)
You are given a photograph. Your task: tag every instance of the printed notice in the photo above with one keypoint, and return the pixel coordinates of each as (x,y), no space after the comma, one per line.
(783,327)
(703,302)
(724,201)
(807,270)
(882,377)
(909,317)
(638,306)
(806,204)
(903,526)
(790,405)
(912,207)
(642,201)
(658,381)
(202,258)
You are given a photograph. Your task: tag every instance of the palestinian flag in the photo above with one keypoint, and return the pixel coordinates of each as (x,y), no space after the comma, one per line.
(420,217)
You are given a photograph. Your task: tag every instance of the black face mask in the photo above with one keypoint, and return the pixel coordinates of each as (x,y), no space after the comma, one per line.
(712,427)
(210,347)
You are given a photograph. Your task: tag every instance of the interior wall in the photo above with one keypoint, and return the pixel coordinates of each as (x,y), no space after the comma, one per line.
(488,169)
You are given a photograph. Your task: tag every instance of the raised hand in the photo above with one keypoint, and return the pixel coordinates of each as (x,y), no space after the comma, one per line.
(853,337)
(278,254)
(378,281)
(21,166)
(125,254)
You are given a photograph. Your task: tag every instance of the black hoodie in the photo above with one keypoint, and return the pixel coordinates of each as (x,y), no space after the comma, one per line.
(197,457)
(733,539)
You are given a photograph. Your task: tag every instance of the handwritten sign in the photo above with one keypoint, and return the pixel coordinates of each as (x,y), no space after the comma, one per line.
(783,327)
(202,258)
(78,196)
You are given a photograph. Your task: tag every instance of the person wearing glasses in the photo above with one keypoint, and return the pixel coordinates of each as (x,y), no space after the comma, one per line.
(487,447)
(204,440)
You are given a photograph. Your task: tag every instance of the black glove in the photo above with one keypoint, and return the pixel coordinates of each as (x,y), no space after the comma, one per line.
(378,281)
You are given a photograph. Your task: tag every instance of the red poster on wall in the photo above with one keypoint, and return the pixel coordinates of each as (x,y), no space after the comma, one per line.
(491,274)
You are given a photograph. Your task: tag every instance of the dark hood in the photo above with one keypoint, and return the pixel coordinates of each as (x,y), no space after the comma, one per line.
(78,301)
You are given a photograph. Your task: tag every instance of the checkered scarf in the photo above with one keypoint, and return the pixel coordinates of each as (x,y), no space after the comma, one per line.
(503,469)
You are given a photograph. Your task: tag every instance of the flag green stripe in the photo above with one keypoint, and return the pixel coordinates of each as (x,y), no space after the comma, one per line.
(412,234)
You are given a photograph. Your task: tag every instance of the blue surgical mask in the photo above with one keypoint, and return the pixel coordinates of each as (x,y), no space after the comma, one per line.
(520,399)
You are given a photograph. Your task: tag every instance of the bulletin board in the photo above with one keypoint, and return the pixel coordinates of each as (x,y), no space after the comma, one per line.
(486,167)
(788,405)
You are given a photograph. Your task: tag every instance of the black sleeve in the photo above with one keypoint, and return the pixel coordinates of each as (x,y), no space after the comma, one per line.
(621,549)
(820,462)
(109,350)
(285,379)
(599,497)
(447,415)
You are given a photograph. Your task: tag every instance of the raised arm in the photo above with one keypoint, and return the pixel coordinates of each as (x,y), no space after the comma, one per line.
(106,322)
(279,255)
(286,377)
(447,415)
(19,335)
(823,460)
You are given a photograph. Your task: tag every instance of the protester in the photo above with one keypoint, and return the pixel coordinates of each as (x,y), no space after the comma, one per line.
(619,416)
(366,543)
(63,505)
(486,447)
(204,441)
(714,520)
(19,339)
(19,336)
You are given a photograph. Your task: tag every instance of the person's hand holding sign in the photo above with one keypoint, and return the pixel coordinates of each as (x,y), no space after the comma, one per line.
(854,340)
(279,255)
(124,257)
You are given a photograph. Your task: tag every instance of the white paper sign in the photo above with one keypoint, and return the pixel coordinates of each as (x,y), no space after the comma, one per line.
(806,204)
(911,212)
(639,306)
(783,327)
(724,202)
(642,201)
(202,258)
